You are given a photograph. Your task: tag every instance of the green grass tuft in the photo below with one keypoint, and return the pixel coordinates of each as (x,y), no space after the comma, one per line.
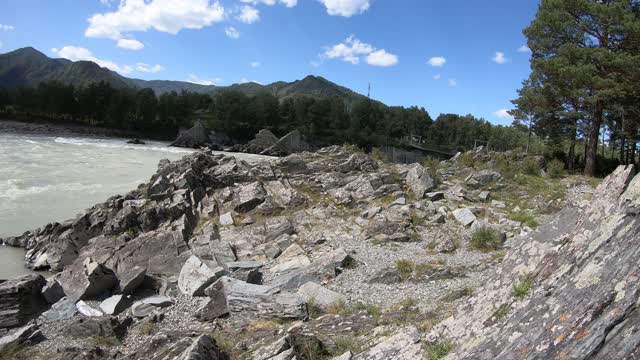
(438,350)
(486,239)
(522,287)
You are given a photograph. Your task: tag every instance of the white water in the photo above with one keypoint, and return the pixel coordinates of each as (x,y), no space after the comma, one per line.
(47,179)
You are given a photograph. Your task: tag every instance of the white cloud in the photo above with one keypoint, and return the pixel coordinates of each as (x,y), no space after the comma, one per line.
(196,80)
(232,32)
(524,49)
(346,8)
(287,3)
(382,58)
(7,27)
(503,114)
(130,44)
(452,82)
(161,15)
(437,76)
(500,58)
(142,67)
(352,50)
(248,14)
(437,61)
(76,53)
(255,64)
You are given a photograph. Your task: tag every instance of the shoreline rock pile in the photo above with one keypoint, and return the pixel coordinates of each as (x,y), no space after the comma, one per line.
(214,257)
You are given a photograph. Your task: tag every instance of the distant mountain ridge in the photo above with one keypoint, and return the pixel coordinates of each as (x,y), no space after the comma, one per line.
(29,67)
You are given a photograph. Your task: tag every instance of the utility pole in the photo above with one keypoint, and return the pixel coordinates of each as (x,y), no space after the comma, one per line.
(369,91)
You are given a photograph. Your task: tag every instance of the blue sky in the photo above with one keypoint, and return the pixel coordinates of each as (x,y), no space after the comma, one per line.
(453,56)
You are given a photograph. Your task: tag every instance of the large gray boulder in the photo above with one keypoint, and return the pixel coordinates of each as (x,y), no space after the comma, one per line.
(131,279)
(483,178)
(320,295)
(62,310)
(146,307)
(196,275)
(87,279)
(196,137)
(464,216)
(287,145)
(419,181)
(264,139)
(21,300)
(53,291)
(241,299)
(581,299)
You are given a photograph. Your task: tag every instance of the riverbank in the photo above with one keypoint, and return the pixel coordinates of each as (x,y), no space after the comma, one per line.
(49,128)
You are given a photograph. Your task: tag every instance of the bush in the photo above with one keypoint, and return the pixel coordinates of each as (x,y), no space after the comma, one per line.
(530,166)
(467,160)
(555,168)
(525,219)
(377,154)
(486,239)
(521,288)
(405,268)
(439,350)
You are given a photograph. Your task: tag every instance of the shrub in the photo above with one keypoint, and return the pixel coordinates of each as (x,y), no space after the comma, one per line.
(526,219)
(439,350)
(555,168)
(521,287)
(506,167)
(377,154)
(486,239)
(405,268)
(467,160)
(530,166)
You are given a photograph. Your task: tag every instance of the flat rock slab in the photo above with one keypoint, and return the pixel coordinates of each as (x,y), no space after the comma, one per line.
(404,345)
(144,308)
(115,304)
(20,300)
(132,279)
(17,337)
(62,310)
(320,295)
(86,310)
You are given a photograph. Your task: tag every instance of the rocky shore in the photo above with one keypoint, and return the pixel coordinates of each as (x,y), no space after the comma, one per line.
(334,255)
(47,128)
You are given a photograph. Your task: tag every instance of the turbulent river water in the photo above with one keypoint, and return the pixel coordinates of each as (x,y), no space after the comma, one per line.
(47,178)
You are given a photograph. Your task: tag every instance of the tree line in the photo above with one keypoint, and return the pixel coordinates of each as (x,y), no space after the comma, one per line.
(585,80)
(323,121)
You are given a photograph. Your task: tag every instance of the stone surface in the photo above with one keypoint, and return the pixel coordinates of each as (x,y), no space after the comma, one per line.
(21,300)
(404,345)
(52,291)
(145,307)
(86,310)
(196,137)
(419,181)
(240,299)
(87,279)
(115,304)
(464,216)
(320,295)
(19,336)
(582,300)
(62,310)
(196,275)
(226,219)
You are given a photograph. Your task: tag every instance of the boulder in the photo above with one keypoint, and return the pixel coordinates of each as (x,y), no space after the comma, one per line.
(240,299)
(196,275)
(464,216)
(86,310)
(131,279)
(196,137)
(226,219)
(62,310)
(25,335)
(287,145)
(248,196)
(104,327)
(88,279)
(435,196)
(358,162)
(320,295)
(115,304)
(419,181)
(202,348)
(264,139)
(21,300)
(136,141)
(483,178)
(323,269)
(146,307)
(52,291)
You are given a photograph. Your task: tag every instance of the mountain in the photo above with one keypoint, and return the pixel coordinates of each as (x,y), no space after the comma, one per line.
(29,67)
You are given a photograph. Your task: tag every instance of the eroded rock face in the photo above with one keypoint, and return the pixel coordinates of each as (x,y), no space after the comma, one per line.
(419,181)
(582,301)
(88,279)
(197,136)
(21,300)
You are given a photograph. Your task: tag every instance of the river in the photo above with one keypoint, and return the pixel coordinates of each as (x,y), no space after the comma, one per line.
(52,178)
